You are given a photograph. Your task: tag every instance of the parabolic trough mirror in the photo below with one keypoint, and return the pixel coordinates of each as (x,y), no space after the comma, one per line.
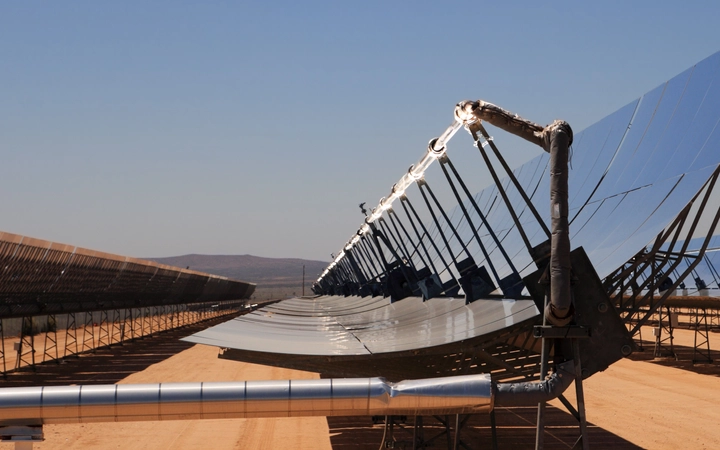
(427,287)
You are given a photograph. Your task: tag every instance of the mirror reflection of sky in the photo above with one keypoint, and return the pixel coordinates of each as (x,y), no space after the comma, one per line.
(165,128)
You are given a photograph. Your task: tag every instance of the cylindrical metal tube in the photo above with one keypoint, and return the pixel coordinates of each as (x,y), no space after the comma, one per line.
(532,393)
(468,111)
(244,399)
(559,312)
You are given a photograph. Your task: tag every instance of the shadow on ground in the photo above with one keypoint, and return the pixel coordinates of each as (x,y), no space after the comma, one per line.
(682,358)
(109,365)
(515,430)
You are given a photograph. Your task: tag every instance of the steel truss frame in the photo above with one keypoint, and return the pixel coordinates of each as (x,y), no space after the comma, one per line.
(577,411)
(27,340)
(117,327)
(702,330)
(104,331)
(88,333)
(640,287)
(667,322)
(71,336)
(2,349)
(123,327)
(699,320)
(51,338)
(451,429)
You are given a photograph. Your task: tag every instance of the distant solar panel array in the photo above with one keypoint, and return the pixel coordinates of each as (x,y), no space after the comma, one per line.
(41,277)
(640,185)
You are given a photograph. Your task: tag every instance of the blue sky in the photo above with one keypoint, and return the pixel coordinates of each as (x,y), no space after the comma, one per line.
(165,128)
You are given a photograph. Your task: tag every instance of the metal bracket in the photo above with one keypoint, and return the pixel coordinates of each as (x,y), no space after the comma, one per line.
(23,436)
(551,332)
(609,339)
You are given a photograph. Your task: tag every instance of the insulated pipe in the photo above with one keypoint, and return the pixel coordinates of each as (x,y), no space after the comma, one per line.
(32,406)
(468,111)
(558,137)
(532,393)
(465,394)
(555,139)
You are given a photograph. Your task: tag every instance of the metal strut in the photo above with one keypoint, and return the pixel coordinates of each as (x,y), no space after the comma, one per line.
(503,194)
(398,246)
(2,349)
(443,161)
(395,221)
(512,177)
(370,250)
(371,271)
(475,281)
(483,218)
(420,243)
(424,184)
(367,257)
(405,200)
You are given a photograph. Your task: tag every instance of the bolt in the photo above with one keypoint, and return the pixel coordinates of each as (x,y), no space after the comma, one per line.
(585,373)
(626,350)
(602,307)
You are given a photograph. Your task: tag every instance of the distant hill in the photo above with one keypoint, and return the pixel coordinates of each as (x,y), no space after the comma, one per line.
(275,277)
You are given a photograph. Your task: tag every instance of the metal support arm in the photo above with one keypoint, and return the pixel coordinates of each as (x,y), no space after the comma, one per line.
(555,139)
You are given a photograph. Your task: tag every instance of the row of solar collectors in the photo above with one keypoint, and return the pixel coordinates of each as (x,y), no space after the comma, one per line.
(709,272)
(41,277)
(631,174)
(704,279)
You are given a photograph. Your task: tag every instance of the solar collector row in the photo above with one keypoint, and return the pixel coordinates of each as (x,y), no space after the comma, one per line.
(42,277)
(632,173)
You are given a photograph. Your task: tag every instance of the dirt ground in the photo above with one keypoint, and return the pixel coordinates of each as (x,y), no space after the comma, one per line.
(198,363)
(664,404)
(636,403)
